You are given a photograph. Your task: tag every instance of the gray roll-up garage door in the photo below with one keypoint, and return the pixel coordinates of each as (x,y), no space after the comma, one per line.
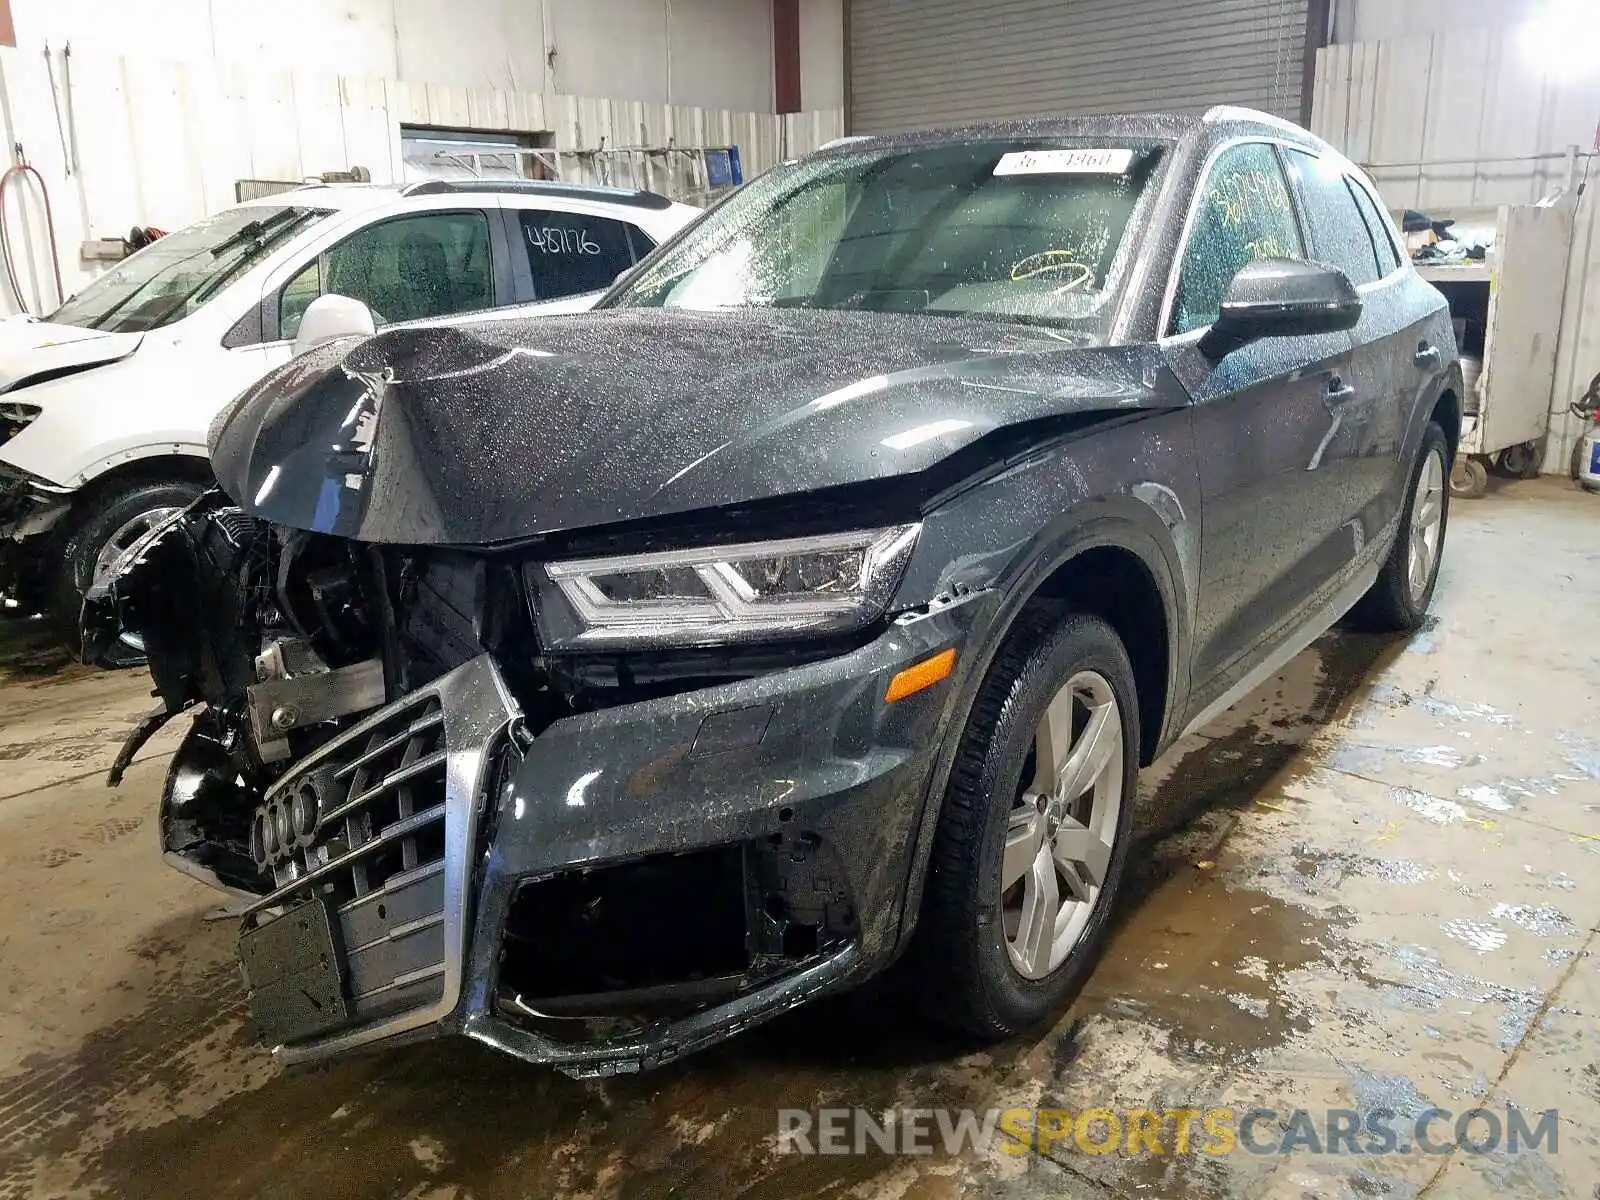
(915,63)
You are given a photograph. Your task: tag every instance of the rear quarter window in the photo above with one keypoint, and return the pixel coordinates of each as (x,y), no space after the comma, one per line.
(570,253)
(1382,231)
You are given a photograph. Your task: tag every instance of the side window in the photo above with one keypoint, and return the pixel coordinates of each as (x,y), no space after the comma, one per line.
(427,265)
(571,252)
(1382,232)
(296,296)
(1244,214)
(1338,230)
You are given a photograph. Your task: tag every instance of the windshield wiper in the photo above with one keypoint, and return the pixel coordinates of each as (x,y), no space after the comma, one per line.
(253,230)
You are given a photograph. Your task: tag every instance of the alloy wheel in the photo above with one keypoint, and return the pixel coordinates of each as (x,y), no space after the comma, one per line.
(1060,832)
(1427,526)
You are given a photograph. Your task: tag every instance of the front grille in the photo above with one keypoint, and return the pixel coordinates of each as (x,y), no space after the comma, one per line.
(397,800)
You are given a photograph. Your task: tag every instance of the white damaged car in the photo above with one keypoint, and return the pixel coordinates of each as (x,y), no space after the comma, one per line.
(105,404)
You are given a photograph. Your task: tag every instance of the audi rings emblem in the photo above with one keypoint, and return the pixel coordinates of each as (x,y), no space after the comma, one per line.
(285,824)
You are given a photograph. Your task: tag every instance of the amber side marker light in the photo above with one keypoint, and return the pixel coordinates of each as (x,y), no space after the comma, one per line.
(924,675)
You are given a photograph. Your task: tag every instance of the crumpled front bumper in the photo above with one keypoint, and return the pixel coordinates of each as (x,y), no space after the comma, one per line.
(811,755)
(29,509)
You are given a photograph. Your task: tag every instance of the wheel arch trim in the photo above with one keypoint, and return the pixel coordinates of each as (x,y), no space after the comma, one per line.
(134,457)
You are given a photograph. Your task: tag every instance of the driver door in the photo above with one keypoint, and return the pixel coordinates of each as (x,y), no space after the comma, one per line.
(1269,424)
(424,264)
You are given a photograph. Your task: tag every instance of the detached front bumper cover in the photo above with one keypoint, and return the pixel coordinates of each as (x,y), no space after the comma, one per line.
(427,853)
(29,505)
(357,830)
(29,508)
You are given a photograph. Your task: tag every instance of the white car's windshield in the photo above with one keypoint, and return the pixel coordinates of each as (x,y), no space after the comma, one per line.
(172,277)
(1030,231)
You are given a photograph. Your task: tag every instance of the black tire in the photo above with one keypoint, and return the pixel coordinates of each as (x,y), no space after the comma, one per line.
(91,529)
(1520,461)
(958,963)
(1390,606)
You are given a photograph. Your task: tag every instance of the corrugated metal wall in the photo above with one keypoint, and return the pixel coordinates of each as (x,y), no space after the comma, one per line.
(1462,112)
(918,63)
(161,143)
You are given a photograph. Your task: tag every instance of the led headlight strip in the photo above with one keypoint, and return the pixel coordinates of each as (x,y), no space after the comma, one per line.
(793,587)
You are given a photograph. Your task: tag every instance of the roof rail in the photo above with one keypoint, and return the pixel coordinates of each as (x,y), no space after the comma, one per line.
(632,197)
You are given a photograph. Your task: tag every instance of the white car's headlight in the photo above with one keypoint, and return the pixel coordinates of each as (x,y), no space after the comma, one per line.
(755,591)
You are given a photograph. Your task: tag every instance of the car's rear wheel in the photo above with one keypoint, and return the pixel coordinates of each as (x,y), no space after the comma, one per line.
(1033,833)
(109,524)
(1398,600)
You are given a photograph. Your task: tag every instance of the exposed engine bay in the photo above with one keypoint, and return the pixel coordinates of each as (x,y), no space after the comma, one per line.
(285,638)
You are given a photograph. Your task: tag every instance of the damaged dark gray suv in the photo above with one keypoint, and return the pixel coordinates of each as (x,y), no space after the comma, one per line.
(600,685)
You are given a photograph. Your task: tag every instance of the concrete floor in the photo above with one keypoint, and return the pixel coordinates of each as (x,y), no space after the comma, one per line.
(1386,897)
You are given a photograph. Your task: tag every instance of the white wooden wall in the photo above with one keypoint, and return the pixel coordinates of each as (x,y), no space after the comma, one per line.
(1473,95)
(161,143)
(716,53)
(1376,20)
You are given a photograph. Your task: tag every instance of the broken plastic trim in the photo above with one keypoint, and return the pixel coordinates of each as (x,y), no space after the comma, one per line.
(670,1040)
(141,733)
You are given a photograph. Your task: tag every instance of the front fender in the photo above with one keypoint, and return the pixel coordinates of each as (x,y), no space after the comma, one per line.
(156,402)
(1132,486)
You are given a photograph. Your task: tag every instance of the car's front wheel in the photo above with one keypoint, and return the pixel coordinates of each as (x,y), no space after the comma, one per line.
(1033,833)
(108,524)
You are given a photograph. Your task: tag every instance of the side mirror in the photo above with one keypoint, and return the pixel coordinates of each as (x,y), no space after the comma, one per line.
(332,316)
(1282,297)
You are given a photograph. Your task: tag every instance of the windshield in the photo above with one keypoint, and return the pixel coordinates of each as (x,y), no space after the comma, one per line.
(174,276)
(1025,232)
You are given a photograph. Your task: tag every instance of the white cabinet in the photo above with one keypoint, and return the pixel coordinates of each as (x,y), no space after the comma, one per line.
(1513,303)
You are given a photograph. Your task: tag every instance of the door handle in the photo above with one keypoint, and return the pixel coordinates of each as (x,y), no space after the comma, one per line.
(1339,391)
(1426,355)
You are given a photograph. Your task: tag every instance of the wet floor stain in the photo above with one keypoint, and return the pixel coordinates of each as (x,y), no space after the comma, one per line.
(30,651)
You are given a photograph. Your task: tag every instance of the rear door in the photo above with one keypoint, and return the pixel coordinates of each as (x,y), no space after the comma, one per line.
(1343,233)
(1274,450)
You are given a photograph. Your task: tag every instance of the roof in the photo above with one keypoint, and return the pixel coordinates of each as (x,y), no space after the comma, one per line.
(1147,126)
(352,196)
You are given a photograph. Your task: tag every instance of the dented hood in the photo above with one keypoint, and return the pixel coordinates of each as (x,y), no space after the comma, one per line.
(486,433)
(30,348)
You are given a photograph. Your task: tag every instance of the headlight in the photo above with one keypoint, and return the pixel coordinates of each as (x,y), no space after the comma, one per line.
(14,418)
(758,590)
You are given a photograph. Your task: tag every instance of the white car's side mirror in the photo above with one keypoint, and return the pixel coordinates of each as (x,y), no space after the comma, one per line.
(332,316)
